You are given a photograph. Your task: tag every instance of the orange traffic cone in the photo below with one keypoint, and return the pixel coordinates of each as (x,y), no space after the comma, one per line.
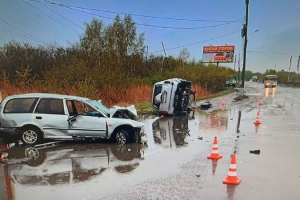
(223,102)
(215,152)
(257,120)
(232,173)
(260,103)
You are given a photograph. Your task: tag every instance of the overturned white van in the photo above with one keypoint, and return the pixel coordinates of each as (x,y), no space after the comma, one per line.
(172,96)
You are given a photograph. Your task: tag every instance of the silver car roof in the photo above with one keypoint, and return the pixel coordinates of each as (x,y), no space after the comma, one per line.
(48,95)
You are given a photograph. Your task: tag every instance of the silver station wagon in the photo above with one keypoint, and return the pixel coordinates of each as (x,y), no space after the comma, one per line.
(38,116)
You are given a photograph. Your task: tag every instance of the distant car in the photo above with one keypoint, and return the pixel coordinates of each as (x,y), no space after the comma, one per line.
(231,82)
(38,116)
(220,56)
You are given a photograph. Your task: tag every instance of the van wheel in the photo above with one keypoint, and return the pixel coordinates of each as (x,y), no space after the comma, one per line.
(121,137)
(30,136)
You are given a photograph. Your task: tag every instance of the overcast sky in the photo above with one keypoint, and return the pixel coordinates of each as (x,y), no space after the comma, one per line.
(206,22)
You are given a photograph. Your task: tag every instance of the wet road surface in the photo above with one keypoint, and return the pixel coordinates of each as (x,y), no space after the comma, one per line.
(174,164)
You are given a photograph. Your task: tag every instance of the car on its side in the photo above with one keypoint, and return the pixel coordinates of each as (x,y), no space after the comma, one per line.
(35,117)
(173,96)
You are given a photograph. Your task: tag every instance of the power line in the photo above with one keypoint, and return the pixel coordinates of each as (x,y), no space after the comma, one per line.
(137,15)
(198,42)
(270,52)
(141,24)
(33,20)
(157,26)
(15,32)
(62,16)
(50,17)
(19,32)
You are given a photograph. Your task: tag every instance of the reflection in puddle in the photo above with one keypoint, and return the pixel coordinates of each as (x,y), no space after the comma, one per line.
(69,163)
(270,92)
(171,131)
(217,119)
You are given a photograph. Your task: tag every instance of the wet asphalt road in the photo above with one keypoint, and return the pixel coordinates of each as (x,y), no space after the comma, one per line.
(173,165)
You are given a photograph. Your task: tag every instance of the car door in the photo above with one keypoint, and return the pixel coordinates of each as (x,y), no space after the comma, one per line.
(50,114)
(84,120)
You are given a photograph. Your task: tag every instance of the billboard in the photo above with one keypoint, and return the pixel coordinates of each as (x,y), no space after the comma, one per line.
(218,54)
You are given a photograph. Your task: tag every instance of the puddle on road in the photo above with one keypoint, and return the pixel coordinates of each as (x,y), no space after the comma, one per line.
(216,120)
(70,162)
(175,131)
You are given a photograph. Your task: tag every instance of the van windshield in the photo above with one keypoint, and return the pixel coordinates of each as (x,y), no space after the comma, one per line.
(271,78)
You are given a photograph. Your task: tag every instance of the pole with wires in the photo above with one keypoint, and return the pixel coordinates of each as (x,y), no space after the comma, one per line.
(245,34)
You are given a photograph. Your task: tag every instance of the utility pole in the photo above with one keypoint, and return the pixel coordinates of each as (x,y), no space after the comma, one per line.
(239,75)
(147,54)
(245,34)
(234,62)
(165,55)
(298,67)
(290,68)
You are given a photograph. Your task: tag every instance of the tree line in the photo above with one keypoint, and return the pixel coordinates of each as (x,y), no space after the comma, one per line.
(105,57)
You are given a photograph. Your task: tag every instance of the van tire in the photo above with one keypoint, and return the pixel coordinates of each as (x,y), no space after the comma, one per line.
(30,136)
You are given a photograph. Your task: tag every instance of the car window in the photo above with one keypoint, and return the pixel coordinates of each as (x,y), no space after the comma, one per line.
(50,106)
(81,108)
(20,105)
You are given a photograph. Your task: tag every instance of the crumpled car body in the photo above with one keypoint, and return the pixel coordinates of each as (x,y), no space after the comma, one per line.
(38,116)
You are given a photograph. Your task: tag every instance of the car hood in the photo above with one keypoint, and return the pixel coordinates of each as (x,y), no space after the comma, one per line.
(129,111)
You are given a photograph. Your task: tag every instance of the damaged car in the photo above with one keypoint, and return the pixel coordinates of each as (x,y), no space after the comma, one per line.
(173,96)
(35,117)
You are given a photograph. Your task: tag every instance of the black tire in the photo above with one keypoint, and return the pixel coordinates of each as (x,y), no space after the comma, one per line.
(122,136)
(31,136)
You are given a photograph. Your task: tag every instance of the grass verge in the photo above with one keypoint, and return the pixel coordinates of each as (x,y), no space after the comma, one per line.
(241,97)
(145,107)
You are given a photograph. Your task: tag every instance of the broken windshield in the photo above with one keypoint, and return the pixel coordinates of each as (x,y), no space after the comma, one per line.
(98,104)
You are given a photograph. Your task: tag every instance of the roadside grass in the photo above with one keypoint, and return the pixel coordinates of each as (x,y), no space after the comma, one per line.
(241,97)
(145,108)
(218,94)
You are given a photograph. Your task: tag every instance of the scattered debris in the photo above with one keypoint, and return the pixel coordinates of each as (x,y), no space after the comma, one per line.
(257,152)
(200,138)
(198,175)
(238,136)
(144,139)
(206,105)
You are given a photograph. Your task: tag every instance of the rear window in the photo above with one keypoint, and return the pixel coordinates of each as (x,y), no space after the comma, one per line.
(50,106)
(20,105)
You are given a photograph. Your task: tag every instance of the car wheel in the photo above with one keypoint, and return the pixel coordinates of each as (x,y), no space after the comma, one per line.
(121,137)
(30,136)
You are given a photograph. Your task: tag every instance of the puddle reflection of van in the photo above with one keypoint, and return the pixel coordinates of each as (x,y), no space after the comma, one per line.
(171,132)
(172,96)
(65,164)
